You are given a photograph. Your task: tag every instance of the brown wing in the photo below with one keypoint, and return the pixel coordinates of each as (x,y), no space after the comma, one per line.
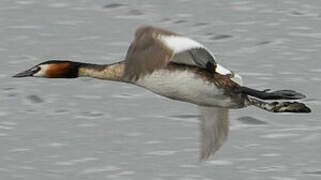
(147,53)
(153,48)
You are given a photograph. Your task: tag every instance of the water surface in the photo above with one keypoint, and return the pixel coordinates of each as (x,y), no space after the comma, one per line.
(92,129)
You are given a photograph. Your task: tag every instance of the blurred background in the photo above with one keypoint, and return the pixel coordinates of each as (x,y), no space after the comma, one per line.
(92,129)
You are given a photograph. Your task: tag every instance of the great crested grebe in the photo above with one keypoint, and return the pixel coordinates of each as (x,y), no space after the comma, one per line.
(179,68)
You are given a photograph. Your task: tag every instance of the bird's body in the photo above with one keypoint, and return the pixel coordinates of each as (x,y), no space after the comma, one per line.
(184,84)
(182,69)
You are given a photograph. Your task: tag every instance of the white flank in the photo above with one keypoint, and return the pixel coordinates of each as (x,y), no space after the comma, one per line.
(42,71)
(185,86)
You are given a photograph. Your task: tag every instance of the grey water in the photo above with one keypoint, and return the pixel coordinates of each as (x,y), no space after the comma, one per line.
(92,129)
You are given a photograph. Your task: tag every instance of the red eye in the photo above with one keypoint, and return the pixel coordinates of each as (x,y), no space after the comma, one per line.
(35,69)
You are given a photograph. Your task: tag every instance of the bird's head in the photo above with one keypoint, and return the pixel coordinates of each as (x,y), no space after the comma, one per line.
(52,69)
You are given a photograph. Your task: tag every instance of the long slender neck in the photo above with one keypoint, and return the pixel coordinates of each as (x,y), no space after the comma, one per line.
(112,72)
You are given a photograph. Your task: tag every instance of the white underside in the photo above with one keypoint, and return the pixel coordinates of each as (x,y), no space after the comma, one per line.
(185,86)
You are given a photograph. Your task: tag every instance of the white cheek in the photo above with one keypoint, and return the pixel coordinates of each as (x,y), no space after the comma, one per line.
(42,71)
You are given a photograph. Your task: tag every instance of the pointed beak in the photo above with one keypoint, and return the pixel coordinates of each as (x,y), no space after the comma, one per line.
(26,73)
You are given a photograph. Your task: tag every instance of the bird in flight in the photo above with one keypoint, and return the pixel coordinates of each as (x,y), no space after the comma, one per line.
(179,68)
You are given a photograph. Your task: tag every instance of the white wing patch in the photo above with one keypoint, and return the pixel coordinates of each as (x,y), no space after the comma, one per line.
(237,78)
(179,43)
(222,70)
(214,128)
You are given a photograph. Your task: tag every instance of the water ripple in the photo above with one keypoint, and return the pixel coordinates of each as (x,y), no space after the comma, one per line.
(76,161)
(99,169)
(317,173)
(275,168)
(251,121)
(123,173)
(113,5)
(221,37)
(280,135)
(220,162)
(161,153)
(35,99)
